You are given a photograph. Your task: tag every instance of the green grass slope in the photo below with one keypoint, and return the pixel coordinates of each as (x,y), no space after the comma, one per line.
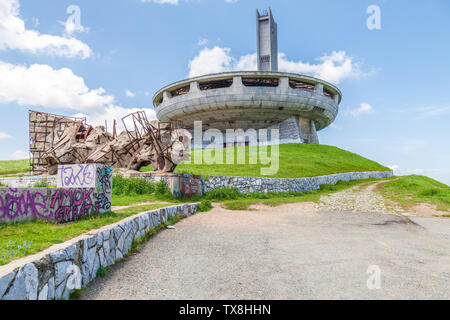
(296,161)
(411,190)
(14,166)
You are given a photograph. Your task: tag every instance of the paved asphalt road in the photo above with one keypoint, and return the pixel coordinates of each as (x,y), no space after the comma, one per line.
(287,252)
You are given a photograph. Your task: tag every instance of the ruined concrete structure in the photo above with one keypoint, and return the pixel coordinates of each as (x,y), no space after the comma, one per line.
(297,105)
(56,140)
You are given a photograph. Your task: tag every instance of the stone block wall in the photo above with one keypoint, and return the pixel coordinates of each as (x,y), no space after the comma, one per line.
(258,185)
(27,181)
(55,272)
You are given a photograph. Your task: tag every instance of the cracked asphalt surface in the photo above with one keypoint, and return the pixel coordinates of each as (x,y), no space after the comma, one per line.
(292,251)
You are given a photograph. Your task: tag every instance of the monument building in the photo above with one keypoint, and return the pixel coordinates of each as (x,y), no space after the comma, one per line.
(297,105)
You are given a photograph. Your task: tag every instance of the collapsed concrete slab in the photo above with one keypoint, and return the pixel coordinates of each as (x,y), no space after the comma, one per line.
(57,140)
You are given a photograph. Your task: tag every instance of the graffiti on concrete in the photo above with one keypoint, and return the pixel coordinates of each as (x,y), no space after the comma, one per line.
(76,176)
(21,205)
(72,204)
(104,187)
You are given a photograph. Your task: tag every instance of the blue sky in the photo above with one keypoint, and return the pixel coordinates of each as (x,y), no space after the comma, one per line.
(395,81)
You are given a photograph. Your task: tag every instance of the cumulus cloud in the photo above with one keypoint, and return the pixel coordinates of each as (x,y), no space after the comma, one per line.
(114,112)
(405,172)
(174,2)
(15,36)
(71,26)
(19,155)
(333,68)
(59,89)
(4,136)
(130,94)
(364,108)
(41,85)
(212,60)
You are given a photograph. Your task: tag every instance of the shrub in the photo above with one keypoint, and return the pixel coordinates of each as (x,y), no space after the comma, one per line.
(132,186)
(162,188)
(41,184)
(204,206)
(102,271)
(223,194)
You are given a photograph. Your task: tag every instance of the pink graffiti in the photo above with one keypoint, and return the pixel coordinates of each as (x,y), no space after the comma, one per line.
(14,205)
(72,204)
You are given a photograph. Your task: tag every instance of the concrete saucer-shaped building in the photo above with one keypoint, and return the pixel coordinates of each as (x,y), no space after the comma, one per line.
(297,105)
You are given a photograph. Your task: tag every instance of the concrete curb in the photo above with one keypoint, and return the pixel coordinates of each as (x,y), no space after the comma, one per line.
(53,273)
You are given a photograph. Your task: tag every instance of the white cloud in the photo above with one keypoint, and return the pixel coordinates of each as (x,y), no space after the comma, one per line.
(4,136)
(130,94)
(19,155)
(202,42)
(174,2)
(111,113)
(211,61)
(364,108)
(14,36)
(434,111)
(41,85)
(405,172)
(333,68)
(335,126)
(231,1)
(70,27)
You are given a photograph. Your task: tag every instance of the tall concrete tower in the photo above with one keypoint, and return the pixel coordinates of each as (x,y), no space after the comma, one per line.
(267,38)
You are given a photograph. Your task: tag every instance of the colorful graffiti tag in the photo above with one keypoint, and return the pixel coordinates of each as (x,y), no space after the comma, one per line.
(16,205)
(76,176)
(72,204)
(104,187)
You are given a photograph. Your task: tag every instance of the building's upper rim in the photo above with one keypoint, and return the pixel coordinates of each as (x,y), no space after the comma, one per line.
(219,76)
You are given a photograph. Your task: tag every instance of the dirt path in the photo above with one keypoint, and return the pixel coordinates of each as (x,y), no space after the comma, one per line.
(361,198)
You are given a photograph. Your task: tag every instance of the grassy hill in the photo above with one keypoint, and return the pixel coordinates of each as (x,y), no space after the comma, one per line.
(412,190)
(14,166)
(296,161)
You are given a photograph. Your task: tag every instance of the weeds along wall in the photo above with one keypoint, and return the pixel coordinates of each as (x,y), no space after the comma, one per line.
(82,190)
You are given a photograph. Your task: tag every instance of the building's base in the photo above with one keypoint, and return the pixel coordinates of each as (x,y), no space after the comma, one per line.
(292,130)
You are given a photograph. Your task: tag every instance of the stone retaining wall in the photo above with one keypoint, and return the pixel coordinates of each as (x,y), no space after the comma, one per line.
(27,181)
(255,185)
(55,272)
